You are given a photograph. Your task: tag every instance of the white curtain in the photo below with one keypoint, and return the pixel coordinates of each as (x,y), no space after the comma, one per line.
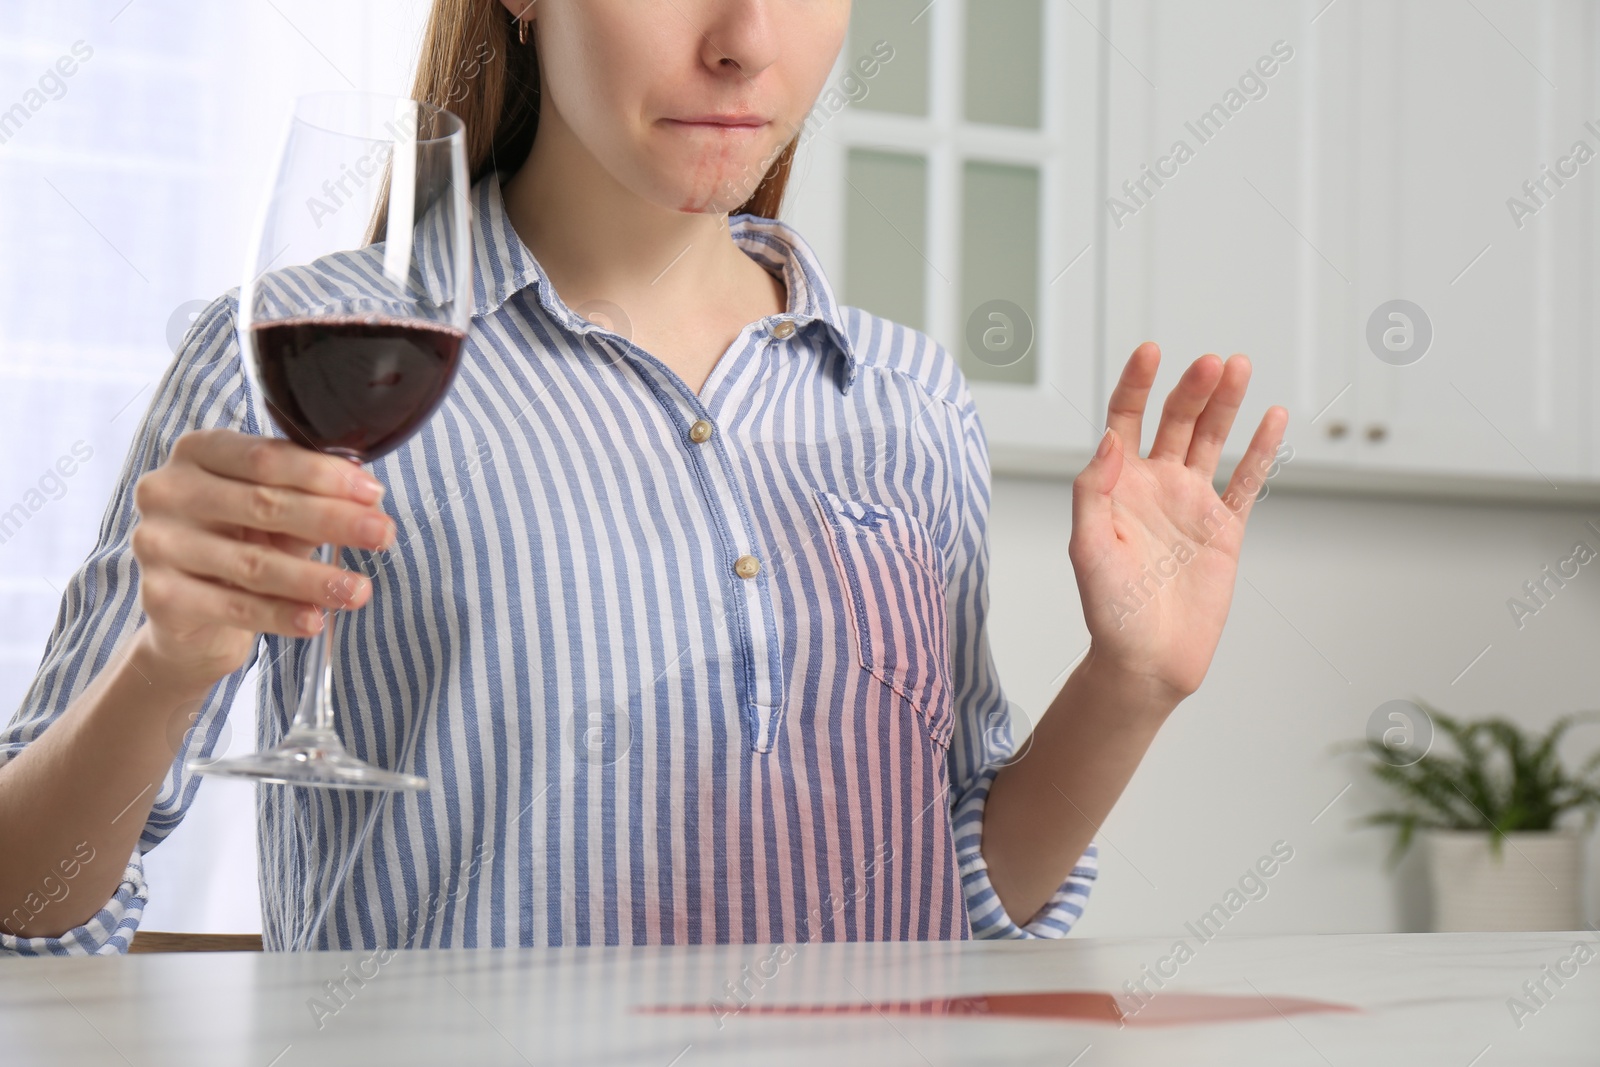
(135,140)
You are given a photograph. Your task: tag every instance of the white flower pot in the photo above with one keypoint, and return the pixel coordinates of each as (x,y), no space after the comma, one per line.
(1534,884)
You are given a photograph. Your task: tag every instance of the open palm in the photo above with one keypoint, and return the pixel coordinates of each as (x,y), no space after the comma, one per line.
(1154,547)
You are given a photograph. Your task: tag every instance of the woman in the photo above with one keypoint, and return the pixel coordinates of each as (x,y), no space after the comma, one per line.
(682,615)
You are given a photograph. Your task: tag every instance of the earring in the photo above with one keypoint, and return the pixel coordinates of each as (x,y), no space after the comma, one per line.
(522,31)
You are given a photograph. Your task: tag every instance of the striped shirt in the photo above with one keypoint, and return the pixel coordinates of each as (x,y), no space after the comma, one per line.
(630,734)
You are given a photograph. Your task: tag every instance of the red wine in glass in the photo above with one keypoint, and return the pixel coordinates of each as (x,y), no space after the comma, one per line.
(355,386)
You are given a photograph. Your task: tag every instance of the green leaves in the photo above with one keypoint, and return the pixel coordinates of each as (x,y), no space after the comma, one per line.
(1500,779)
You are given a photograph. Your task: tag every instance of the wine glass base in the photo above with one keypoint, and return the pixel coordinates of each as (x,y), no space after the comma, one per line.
(309,761)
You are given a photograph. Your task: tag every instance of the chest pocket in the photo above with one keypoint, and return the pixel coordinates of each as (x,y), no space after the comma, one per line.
(893,575)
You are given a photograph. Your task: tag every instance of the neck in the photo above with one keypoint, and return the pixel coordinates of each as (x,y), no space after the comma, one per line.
(597,239)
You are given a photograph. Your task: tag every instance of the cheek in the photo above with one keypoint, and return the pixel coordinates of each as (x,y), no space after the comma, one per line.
(594,56)
(602,84)
(587,82)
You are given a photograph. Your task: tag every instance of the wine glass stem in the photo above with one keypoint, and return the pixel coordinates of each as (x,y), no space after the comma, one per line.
(314,716)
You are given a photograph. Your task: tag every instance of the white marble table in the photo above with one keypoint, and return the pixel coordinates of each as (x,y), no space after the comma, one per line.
(1386,999)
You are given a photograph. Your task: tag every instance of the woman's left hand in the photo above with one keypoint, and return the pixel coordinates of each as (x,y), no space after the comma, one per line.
(1154,548)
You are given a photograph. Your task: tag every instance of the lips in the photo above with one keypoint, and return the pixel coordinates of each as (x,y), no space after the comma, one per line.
(726,122)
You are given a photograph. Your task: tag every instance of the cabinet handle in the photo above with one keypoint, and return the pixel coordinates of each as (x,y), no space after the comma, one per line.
(1377,432)
(1337,429)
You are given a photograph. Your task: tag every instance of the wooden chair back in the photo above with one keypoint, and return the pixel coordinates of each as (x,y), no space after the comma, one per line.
(156,941)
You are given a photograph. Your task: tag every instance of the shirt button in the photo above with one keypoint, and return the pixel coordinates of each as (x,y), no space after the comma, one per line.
(746,566)
(783,330)
(700,432)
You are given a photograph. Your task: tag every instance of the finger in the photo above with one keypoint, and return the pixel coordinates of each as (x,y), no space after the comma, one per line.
(255,568)
(1251,473)
(1216,421)
(1183,407)
(292,545)
(1091,501)
(215,501)
(282,542)
(273,461)
(1125,411)
(295,546)
(169,594)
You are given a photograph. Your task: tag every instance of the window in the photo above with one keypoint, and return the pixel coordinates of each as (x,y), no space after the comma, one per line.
(956,194)
(130,186)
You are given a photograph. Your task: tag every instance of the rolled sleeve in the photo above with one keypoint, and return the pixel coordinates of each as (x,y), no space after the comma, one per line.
(984,911)
(981,740)
(107,933)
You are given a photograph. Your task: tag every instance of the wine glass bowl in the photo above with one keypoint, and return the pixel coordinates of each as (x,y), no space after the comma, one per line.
(352,315)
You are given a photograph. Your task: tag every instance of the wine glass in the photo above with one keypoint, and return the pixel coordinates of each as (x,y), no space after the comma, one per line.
(354,307)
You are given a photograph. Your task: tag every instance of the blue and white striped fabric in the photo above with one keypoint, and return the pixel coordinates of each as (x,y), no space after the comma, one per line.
(626,740)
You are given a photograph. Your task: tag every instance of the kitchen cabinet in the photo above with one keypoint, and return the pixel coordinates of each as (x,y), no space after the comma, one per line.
(1391,208)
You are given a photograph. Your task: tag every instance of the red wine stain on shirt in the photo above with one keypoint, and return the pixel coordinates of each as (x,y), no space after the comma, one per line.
(1167,1009)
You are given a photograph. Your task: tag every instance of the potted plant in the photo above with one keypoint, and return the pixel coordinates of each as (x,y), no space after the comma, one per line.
(1487,814)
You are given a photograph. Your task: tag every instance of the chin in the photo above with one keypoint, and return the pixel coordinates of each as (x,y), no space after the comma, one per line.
(716,198)
(702,184)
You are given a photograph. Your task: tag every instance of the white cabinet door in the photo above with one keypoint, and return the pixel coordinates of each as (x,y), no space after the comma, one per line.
(1228,195)
(1374,165)
(1460,106)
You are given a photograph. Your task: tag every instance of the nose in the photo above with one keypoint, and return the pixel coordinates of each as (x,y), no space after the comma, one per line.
(739,37)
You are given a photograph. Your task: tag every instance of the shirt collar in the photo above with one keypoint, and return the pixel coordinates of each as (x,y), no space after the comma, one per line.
(503,266)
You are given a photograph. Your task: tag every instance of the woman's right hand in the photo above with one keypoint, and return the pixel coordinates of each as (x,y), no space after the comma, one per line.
(226,528)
